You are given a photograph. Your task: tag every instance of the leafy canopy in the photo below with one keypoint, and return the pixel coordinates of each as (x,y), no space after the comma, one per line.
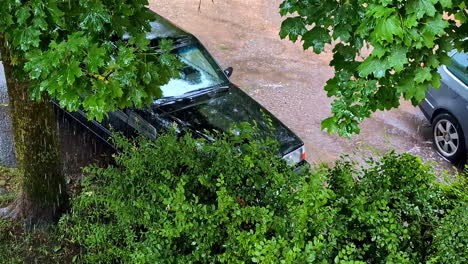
(407,41)
(72,51)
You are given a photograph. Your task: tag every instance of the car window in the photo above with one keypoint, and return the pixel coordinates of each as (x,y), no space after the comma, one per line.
(198,71)
(141,125)
(116,120)
(459,66)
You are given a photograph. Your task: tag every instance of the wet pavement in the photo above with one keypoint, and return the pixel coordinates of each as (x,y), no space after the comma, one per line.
(289,81)
(7,152)
(279,74)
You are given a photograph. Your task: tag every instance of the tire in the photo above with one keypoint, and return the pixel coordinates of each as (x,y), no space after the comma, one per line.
(448,138)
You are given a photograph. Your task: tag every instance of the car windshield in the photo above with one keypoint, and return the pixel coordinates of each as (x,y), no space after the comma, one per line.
(459,66)
(199,71)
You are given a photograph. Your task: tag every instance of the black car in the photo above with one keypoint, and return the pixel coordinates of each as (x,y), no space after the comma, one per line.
(202,98)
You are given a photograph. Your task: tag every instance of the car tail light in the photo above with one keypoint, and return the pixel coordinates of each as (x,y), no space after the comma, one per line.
(296,156)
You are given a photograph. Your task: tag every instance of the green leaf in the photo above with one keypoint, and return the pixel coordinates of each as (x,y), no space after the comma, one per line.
(379,11)
(76,41)
(95,58)
(26,38)
(140,41)
(446,3)
(420,92)
(343,32)
(40,22)
(432,61)
(436,25)
(379,51)
(404,86)
(116,90)
(147,78)
(344,57)
(373,65)
(445,59)
(23,14)
(410,21)
(316,38)
(332,87)
(428,39)
(292,27)
(96,17)
(286,7)
(55,13)
(330,124)
(126,55)
(422,7)
(398,59)
(387,28)
(422,75)
(411,90)
(435,81)
(73,71)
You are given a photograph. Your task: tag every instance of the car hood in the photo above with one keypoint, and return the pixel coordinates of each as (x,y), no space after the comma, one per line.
(222,110)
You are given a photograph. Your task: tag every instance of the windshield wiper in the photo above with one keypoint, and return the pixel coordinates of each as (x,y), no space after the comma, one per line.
(189,96)
(216,88)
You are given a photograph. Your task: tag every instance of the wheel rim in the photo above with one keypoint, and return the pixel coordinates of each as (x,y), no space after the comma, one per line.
(446,137)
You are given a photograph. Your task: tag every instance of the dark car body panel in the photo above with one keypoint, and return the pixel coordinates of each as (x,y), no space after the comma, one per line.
(451,97)
(218,111)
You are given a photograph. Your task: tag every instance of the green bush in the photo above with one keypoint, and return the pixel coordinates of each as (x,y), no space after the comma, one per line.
(451,237)
(388,212)
(186,200)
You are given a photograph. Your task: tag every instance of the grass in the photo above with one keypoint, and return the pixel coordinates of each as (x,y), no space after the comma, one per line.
(40,245)
(6,199)
(8,184)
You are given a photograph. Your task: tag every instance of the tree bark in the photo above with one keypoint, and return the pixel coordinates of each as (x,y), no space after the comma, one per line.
(43,190)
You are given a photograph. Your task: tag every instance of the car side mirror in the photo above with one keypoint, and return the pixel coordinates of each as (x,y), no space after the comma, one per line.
(228,71)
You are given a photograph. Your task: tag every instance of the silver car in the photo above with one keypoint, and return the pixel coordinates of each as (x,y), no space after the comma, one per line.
(447,109)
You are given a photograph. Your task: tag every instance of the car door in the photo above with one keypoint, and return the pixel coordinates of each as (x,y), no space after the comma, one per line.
(458,83)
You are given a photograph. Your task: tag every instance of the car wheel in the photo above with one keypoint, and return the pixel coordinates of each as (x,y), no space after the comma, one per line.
(448,137)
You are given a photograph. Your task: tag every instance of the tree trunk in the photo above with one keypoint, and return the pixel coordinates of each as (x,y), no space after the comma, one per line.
(43,190)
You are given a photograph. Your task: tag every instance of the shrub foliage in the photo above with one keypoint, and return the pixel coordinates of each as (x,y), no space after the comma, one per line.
(185,200)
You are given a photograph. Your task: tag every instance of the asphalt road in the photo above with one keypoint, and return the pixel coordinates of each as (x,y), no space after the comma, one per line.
(289,81)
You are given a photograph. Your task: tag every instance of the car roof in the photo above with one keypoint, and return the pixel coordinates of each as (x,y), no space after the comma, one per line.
(163,28)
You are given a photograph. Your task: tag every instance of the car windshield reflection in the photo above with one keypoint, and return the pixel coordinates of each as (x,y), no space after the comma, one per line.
(199,71)
(459,66)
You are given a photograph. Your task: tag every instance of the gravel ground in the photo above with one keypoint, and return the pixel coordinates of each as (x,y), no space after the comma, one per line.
(289,81)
